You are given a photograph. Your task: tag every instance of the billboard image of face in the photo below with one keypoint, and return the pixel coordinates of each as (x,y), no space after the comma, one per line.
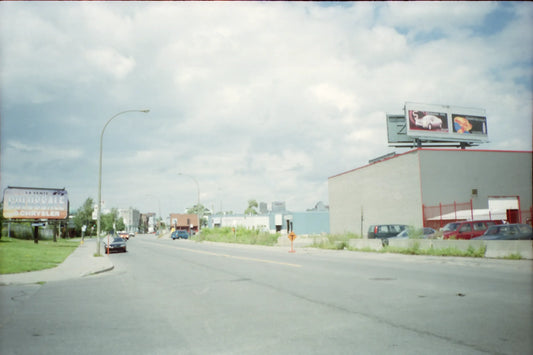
(430,121)
(469,124)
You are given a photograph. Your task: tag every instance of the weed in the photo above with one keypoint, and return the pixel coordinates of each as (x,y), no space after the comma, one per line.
(514,256)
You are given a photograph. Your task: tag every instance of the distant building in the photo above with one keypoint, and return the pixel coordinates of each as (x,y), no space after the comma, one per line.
(184,221)
(131,219)
(278,206)
(148,222)
(313,221)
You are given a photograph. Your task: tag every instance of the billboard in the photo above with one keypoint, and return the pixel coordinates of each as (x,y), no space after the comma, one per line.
(446,123)
(397,129)
(35,203)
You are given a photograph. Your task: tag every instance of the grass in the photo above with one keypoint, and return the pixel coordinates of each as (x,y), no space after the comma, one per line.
(239,236)
(18,256)
(415,250)
(334,241)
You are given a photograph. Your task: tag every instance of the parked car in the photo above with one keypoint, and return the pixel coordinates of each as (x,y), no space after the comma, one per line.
(507,232)
(382,231)
(179,234)
(467,229)
(124,235)
(424,233)
(131,234)
(116,243)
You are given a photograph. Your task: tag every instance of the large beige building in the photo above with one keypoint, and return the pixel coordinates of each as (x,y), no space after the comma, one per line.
(408,188)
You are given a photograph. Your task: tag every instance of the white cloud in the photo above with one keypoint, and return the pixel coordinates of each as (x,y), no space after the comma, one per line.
(109,61)
(256,100)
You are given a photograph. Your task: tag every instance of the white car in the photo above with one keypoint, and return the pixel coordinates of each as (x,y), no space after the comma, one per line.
(429,122)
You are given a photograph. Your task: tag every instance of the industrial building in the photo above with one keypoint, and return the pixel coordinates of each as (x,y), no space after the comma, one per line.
(430,187)
(310,222)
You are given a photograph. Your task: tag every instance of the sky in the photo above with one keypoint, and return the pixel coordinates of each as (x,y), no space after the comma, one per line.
(247,100)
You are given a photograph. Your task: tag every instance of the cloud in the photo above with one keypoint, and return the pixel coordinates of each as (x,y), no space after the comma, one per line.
(255,100)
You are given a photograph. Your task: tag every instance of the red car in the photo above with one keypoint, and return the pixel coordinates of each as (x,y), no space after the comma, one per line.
(467,229)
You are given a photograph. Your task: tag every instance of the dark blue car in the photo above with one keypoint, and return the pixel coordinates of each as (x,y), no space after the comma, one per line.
(179,234)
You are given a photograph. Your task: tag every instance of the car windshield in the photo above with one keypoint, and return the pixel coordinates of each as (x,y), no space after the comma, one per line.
(492,230)
(404,233)
(524,228)
(118,239)
(450,226)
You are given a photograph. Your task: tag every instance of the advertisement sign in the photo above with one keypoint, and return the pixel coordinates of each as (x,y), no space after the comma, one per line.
(35,203)
(446,123)
(397,129)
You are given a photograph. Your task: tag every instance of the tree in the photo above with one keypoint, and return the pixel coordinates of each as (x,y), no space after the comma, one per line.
(84,216)
(111,221)
(201,211)
(252,205)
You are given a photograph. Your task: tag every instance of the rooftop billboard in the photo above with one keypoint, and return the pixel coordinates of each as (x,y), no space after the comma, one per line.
(35,203)
(446,123)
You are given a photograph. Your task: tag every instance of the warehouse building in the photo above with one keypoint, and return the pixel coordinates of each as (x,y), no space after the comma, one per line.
(430,187)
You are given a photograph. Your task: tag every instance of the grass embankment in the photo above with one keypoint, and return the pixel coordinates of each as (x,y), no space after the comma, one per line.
(334,241)
(415,250)
(239,236)
(24,255)
(341,241)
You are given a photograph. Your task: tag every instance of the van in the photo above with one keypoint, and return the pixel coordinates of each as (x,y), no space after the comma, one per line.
(383,231)
(467,229)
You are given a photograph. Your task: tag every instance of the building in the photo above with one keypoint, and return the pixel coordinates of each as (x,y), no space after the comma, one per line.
(184,221)
(418,187)
(148,222)
(313,221)
(131,219)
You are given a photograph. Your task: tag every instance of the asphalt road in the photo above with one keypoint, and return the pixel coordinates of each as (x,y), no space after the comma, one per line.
(182,297)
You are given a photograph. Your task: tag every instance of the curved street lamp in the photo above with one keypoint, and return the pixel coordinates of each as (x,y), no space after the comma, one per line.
(198,187)
(100,178)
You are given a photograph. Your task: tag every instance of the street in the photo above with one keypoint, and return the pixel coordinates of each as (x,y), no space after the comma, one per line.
(184,297)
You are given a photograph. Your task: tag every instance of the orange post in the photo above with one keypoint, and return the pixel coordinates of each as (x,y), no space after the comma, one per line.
(292,236)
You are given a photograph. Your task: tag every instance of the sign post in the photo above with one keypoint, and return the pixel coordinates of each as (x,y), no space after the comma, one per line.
(291,235)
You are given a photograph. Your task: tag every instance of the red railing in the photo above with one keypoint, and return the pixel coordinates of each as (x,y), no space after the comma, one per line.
(438,216)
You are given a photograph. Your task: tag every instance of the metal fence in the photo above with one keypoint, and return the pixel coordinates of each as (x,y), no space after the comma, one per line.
(438,216)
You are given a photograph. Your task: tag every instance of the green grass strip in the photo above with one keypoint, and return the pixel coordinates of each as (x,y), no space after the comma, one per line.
(18,256)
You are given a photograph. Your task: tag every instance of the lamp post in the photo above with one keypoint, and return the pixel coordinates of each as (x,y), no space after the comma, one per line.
(100,178)
(198,187)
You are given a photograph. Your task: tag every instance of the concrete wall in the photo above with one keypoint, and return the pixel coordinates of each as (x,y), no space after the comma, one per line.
(450,175)
(494,248)
(387,191)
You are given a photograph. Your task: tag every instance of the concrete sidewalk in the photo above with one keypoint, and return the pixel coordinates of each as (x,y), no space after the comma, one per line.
(80,263)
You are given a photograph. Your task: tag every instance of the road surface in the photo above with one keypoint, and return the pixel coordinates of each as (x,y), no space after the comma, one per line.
(183,297)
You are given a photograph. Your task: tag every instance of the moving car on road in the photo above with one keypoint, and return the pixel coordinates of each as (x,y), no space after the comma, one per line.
(179,234)
(507,232)
(115,243)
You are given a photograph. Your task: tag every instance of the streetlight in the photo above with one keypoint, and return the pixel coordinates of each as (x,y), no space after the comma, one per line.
(100,178)
(198,187)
